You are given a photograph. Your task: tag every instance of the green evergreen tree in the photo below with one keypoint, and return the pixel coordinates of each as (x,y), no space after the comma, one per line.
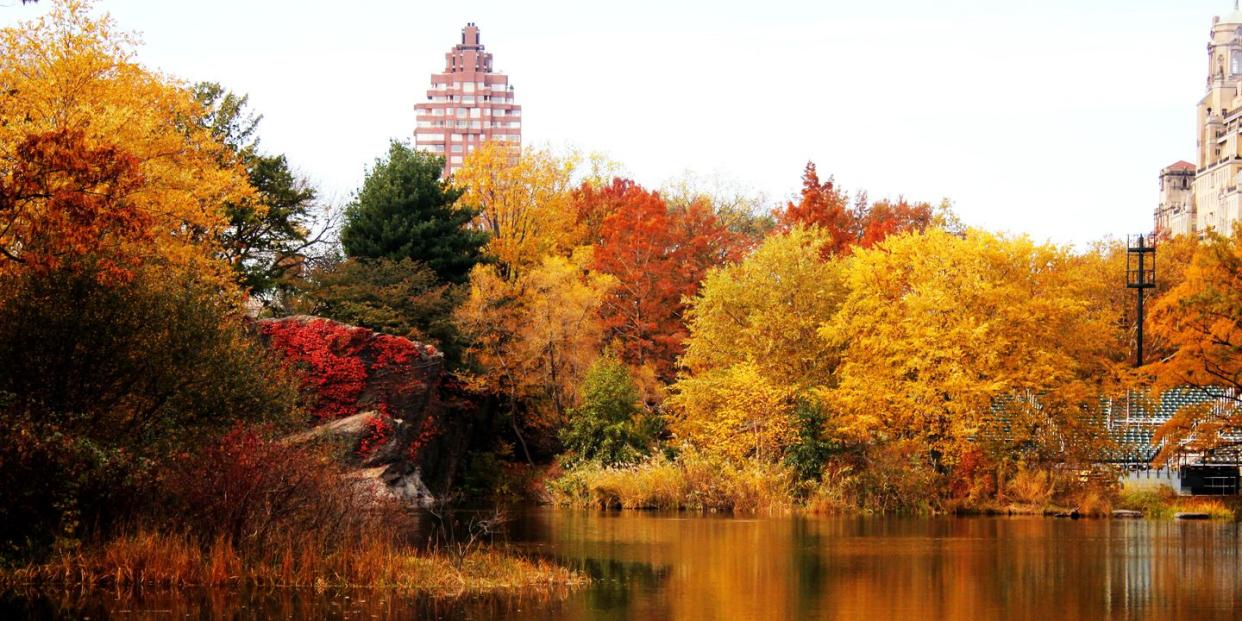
(404,210)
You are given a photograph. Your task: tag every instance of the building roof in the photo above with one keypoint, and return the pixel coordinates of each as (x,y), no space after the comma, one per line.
(1233,17)
(1180,165)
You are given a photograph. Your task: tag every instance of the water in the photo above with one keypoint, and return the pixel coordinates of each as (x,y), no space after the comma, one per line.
(692,567)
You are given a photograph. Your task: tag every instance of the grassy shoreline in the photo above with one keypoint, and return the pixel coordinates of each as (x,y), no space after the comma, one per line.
(151,559)
(698,484)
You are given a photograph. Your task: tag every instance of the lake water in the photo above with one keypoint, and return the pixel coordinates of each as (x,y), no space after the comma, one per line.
(693,567)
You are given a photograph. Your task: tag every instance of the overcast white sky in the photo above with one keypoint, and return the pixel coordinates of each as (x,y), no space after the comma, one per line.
(1046,117)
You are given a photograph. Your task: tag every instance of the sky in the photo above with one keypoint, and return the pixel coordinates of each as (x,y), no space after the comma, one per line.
(1050,118)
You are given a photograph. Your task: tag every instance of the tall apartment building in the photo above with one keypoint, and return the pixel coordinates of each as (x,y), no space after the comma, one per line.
(467,105)
(1197,198)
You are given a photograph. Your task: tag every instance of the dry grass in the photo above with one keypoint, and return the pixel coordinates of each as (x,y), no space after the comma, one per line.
(153,559)
(693,482)
(1031,487)
(1165,503)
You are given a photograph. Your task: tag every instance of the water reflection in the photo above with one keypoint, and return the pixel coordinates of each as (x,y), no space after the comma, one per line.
(648,567)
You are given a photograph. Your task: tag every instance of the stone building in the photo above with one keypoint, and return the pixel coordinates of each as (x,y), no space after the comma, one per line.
(467,104)
(1213,200)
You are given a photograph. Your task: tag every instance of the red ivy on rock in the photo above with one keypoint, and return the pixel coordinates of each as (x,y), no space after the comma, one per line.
(347,369)
(379,432)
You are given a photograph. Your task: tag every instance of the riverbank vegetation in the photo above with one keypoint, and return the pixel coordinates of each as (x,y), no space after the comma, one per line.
(1163,503)
(686,348)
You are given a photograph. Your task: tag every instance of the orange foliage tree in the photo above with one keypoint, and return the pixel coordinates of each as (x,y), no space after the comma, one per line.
(65,201)
(1200,321)
(658,257)
(824,205)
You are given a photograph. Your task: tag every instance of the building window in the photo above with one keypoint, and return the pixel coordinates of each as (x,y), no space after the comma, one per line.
(457,148)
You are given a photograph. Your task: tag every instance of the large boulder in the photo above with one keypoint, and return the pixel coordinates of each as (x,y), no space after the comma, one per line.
(376,393)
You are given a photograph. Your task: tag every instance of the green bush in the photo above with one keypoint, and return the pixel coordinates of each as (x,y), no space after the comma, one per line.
(811,451)
(610,426)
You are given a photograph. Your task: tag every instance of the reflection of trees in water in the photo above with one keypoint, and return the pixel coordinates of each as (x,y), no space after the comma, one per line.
(696,568)
(1028,568)
(614,582)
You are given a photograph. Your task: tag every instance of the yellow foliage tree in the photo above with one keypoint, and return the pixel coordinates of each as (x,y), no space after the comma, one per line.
(735,412)
(534,337)
(71,71)
(766,311)
(524,202)
(937,328)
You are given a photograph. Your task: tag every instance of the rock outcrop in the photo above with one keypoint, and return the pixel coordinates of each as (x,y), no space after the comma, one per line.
(378,395)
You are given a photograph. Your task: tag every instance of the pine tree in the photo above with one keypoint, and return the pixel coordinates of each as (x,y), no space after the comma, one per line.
(405,211)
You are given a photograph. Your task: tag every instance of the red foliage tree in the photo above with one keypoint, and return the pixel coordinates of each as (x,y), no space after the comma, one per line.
(824,205)
(659,256)
(879,220)
(821,205)
(64,201)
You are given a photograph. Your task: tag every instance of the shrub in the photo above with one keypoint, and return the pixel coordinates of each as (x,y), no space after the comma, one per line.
(609,426)
(896,477)
(103,380)
(254,491)
(346,369)
(693,481)
(810,451)
(53,483)
(146,365)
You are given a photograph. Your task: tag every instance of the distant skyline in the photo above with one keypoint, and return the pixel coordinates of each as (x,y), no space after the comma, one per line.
(1040,117)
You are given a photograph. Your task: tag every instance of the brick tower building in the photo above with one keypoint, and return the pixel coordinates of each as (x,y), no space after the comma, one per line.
(466,105)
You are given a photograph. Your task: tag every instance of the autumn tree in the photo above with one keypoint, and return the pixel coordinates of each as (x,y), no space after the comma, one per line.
(65,202)
(405,211)
(68,83)
(658,256)
(522,202)
(824,205)
(734,412)
(1200,319)
(754,326)
(767,309)
(533,338)
(878,220)
(821,204)
(937,329)
(741,210)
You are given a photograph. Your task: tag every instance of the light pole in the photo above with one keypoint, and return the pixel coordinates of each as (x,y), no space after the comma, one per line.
(1141,275)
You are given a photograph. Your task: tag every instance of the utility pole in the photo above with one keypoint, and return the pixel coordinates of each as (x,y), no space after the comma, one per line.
(1141,275)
